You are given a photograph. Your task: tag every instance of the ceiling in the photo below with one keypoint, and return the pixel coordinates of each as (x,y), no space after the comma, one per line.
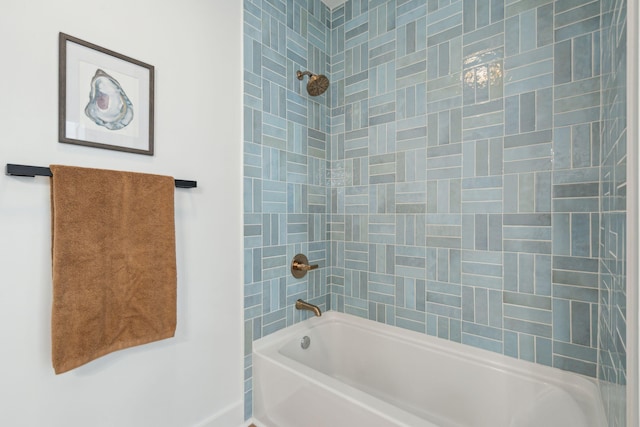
(333,3)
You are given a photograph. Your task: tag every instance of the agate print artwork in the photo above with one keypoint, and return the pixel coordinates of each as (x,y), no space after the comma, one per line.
(108,104)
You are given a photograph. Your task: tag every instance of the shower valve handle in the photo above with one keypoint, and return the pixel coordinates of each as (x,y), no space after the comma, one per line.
(300,266)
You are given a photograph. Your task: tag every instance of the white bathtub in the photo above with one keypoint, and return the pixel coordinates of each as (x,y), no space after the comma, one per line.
(362,373)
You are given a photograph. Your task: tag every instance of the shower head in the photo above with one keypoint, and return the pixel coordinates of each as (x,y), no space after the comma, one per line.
(317,84)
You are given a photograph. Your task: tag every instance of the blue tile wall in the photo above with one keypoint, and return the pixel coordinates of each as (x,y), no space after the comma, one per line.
(286,136)
(575,187)
(462,177)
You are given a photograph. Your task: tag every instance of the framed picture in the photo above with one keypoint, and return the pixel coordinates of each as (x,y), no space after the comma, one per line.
(105,98)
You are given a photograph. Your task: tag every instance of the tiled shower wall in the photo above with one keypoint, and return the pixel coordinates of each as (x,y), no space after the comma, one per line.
(465,155)
(449,182)
(612,323)
(285,142)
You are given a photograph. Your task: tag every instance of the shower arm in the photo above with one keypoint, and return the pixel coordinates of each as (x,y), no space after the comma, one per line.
(301,74)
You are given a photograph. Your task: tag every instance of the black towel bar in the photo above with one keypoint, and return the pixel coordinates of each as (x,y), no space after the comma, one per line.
(23,170)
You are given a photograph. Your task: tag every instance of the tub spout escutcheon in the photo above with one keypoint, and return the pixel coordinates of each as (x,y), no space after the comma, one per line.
(303,305)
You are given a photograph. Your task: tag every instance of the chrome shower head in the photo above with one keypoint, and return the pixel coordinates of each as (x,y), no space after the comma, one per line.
(318,83)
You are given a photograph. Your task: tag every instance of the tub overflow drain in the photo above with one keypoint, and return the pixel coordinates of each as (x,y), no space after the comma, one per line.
(305,342)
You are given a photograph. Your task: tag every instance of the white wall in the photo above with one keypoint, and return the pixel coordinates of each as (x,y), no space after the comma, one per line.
(196,377)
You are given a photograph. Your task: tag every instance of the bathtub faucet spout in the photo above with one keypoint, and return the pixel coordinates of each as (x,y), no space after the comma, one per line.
(303,305)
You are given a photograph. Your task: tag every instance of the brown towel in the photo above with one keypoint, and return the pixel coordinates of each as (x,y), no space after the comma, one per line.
(114,262)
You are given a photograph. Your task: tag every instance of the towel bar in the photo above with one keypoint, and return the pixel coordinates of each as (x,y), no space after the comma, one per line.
(23,170)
